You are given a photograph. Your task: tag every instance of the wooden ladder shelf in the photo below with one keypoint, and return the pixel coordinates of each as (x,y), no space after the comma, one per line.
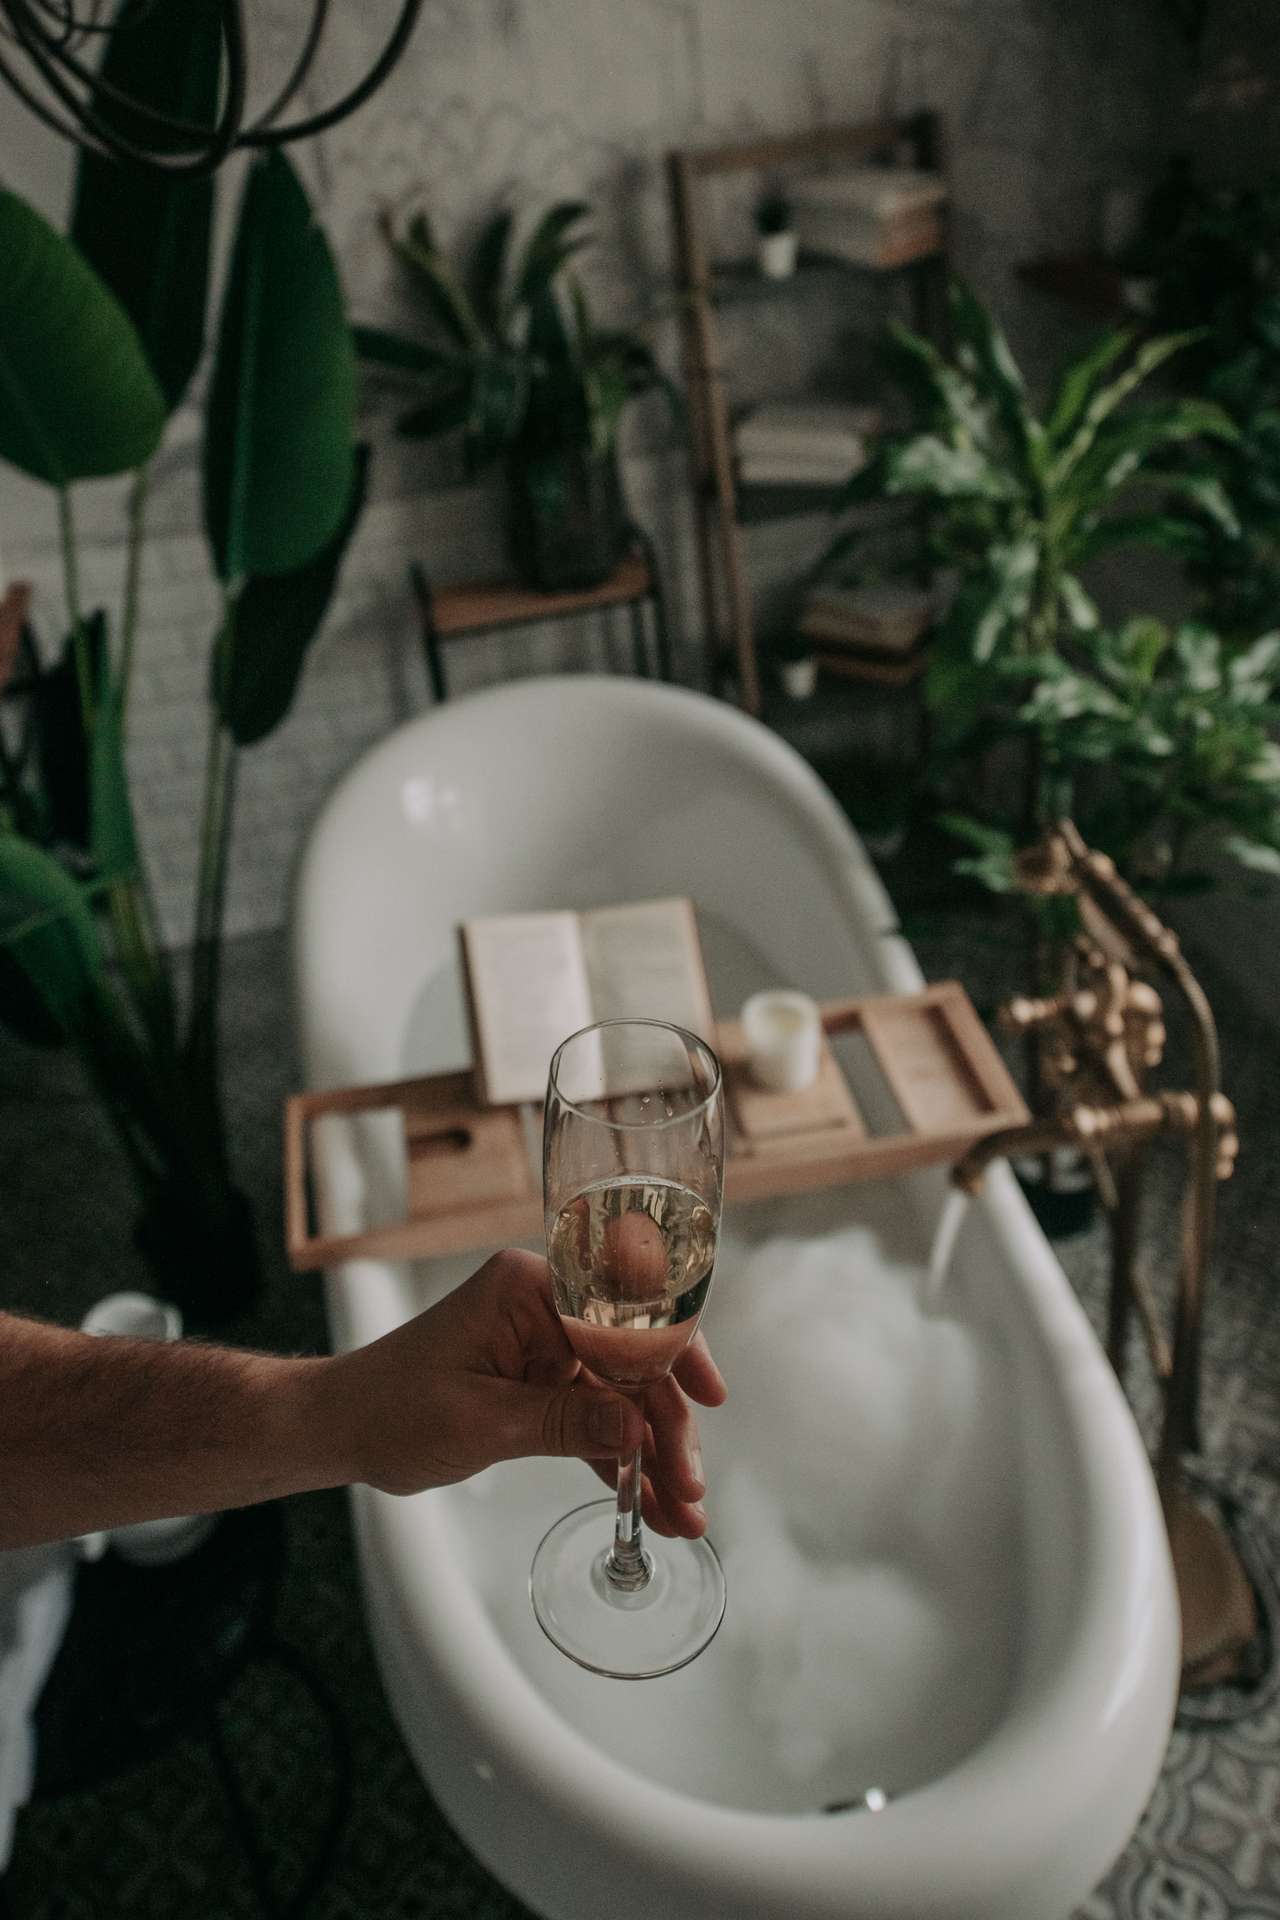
(471,1180)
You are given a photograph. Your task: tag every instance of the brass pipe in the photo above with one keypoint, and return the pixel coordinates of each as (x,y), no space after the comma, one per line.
(1093,1129)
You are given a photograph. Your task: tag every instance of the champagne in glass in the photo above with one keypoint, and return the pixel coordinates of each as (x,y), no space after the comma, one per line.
(633,1161)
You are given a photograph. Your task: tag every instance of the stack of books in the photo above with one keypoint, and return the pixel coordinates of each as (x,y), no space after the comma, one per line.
(815,444)
(872,216)
(879,629)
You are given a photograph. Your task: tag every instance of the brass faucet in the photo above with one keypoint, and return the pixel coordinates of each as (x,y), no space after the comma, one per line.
(1098,1039)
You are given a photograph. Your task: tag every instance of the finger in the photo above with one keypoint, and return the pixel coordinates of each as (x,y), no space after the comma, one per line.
(672,1517)
(676,1458)
(552,1369)
(574,1419)
(699,1375)
(662,1513)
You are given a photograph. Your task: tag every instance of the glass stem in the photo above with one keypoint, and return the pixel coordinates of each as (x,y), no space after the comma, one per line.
(628,1566)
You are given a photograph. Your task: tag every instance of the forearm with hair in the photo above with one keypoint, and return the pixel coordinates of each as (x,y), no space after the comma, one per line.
(96,1432)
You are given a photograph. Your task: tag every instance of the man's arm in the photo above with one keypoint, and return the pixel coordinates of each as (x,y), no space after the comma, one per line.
(96,1432)
(100,1431)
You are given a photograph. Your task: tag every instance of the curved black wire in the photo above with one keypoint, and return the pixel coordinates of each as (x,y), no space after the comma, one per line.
(91,130)
(47,30)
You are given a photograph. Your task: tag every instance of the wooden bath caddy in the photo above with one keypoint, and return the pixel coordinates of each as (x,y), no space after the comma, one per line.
(471,1183)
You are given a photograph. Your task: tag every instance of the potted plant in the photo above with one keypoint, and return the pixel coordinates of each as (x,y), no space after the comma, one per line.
(516,363)
(1019,502)
(776,240)
(99,337)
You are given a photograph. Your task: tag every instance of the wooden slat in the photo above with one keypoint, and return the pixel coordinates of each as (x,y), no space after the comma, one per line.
(797,149)
(480,607)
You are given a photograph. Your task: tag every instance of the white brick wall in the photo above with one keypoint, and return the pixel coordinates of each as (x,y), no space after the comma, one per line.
(1043,105)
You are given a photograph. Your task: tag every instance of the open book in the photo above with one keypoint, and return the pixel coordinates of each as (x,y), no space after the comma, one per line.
(534,978)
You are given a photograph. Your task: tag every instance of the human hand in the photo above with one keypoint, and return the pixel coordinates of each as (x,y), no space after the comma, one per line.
(488,1374)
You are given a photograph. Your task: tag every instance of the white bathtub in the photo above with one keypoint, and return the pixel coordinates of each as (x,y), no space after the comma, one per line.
(1015,1706)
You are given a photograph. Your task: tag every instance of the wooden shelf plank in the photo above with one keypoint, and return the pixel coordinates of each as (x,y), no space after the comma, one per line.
(736,282)
(482,606)
(882,671)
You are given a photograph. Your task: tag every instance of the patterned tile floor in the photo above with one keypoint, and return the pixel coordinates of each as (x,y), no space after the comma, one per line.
(157,1843)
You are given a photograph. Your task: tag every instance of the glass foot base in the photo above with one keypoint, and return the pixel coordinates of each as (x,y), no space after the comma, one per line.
(628,1636)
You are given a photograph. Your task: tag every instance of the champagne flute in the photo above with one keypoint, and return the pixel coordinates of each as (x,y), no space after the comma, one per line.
(633,1167)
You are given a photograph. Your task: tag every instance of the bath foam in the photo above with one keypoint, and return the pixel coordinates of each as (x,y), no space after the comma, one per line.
(861,1494)
(864,1509)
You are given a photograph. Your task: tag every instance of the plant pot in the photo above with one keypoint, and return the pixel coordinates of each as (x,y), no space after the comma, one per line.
(202,1249)
(1060,1192)
(798,677)
(777,254)
(568,520)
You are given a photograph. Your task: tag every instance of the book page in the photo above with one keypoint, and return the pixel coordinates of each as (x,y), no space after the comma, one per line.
(644,961)
(529,991)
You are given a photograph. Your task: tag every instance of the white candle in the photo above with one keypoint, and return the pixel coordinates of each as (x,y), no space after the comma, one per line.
(783,1033)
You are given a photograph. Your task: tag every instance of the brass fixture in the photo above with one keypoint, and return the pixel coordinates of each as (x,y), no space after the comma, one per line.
(1099,1038)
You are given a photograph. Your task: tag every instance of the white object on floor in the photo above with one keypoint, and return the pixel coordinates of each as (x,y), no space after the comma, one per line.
(984,1640)
(35,1602)
(783,1032)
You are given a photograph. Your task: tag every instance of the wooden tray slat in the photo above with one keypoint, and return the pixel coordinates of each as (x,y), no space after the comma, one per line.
(471,1184)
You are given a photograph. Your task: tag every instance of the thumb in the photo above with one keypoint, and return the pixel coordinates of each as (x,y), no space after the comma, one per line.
(571,1421)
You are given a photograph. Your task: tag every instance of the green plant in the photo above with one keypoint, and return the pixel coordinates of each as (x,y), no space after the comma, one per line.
(1019,502)
(1158,742)
(1217,268)
(99,337)
(504,361)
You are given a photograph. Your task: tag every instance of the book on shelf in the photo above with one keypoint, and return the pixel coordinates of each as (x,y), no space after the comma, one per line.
(871,243)
(804,444)
(886,617)
(763,470)
(883,193)
(534,978)
(872,216)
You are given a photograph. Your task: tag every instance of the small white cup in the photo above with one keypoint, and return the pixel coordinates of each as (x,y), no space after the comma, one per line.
(783,1032)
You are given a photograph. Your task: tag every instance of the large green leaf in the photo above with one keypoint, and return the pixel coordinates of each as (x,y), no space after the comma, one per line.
(77,397)
(276,617)
(394,353)
(62,738)
(1161,530)
(112,836)
(488,270)
(945,393)
(928,465)
(436,281)
(281,411)
(1125,446)
(550,245)
(993,360)
(144,230)
(1076,382)
(1103,401)
(46,924)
